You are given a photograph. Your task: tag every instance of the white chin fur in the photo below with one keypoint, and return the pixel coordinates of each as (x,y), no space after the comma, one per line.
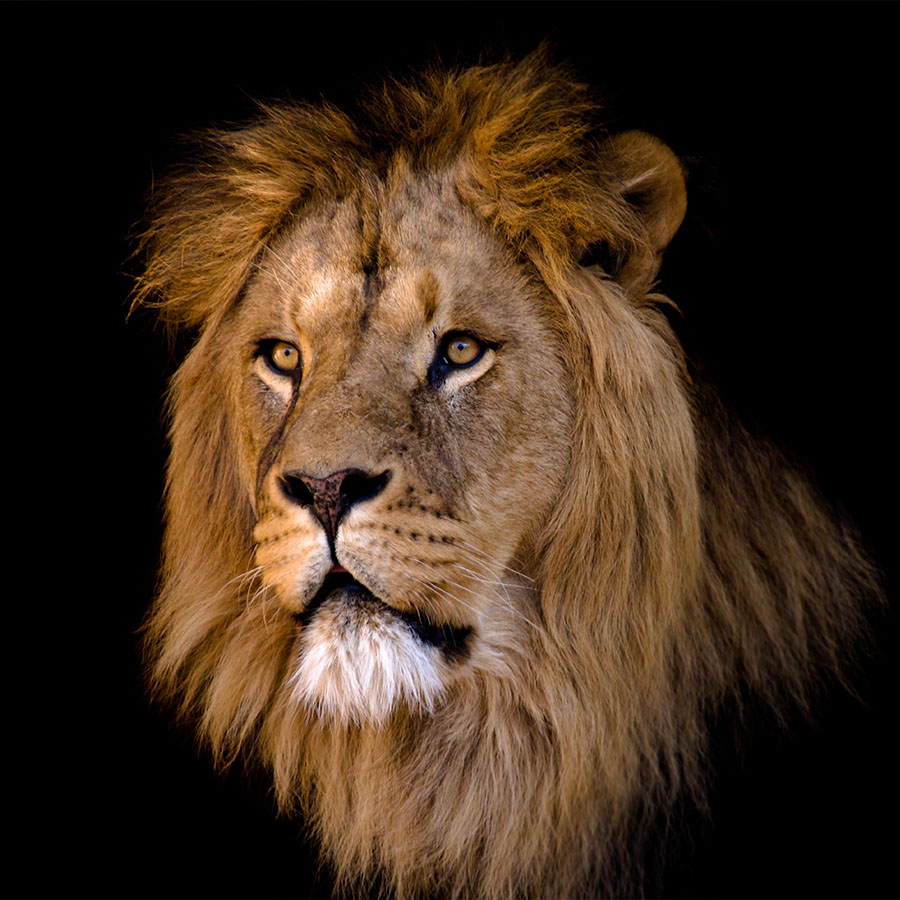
(358,662)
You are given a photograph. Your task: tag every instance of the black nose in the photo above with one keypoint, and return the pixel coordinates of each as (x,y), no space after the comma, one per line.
(332,496)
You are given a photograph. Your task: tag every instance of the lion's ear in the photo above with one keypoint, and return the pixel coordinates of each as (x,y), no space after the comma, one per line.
(648,177)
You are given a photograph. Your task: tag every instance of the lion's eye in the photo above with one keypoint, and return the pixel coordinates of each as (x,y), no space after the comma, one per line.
(457,350)
(462,350)
(282,357)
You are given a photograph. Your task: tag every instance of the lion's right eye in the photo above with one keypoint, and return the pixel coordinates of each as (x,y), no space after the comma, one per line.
(282,357)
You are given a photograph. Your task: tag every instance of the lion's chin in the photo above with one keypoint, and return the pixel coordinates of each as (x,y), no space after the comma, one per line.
(359,660)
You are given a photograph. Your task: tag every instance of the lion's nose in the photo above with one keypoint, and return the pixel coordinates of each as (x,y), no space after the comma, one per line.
(332,496)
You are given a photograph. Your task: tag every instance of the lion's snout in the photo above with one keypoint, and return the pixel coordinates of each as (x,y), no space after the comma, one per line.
(331,497)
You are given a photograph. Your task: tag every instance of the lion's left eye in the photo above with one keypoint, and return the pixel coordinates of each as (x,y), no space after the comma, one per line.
(457,350)
(462,350)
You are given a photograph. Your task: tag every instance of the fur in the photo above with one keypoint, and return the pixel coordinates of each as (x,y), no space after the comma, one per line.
(627,558)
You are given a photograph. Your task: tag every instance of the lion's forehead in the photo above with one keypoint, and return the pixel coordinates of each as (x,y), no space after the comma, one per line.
(396,261)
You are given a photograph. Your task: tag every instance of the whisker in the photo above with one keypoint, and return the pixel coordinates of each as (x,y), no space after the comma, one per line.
(505,601)
(491,559)
(480,578)
(446,593)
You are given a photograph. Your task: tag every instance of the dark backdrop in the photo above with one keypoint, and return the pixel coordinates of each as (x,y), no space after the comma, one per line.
(784,273)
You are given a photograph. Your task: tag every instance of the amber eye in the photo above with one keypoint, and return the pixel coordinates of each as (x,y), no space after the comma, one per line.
(457,350)
(283,357)
(462,349)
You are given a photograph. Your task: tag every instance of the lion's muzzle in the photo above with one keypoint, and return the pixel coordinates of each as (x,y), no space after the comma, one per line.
(332,496)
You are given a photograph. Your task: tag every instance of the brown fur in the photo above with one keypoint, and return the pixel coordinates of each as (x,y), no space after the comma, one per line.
(665,563)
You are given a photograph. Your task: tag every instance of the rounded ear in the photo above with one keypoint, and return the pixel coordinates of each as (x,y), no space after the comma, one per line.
(647,175)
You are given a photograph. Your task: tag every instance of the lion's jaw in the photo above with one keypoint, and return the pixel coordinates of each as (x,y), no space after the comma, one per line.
(431,586)
(357,661)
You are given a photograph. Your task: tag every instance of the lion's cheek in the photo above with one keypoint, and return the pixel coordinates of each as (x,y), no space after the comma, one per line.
(356,666)
(291,560)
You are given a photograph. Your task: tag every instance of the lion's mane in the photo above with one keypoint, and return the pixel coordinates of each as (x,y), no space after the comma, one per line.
(684,564)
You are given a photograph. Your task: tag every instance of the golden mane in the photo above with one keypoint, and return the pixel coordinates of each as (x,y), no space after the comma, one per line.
(684,564)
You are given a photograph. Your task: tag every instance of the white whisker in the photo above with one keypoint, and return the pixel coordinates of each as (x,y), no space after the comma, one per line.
(505,601)
(491,559)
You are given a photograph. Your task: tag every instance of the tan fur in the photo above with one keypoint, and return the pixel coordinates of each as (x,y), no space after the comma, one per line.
(626,558)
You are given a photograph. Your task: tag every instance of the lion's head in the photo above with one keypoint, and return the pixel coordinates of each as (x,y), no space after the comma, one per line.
(451,546)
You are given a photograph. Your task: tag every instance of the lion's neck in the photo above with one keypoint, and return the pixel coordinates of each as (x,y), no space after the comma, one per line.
(472,801)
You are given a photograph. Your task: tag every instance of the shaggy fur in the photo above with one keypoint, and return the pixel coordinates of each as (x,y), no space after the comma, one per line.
(621,557)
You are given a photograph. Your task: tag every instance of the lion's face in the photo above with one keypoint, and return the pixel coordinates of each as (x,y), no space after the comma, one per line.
(431,500)
(405,420)
(452,546)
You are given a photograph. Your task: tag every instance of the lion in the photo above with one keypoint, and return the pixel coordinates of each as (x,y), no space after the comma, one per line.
(457,548)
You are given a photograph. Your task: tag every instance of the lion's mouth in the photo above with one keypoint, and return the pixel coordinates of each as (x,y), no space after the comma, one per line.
(340,587)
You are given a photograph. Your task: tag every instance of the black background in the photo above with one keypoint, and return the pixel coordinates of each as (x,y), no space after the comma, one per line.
(784,273)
